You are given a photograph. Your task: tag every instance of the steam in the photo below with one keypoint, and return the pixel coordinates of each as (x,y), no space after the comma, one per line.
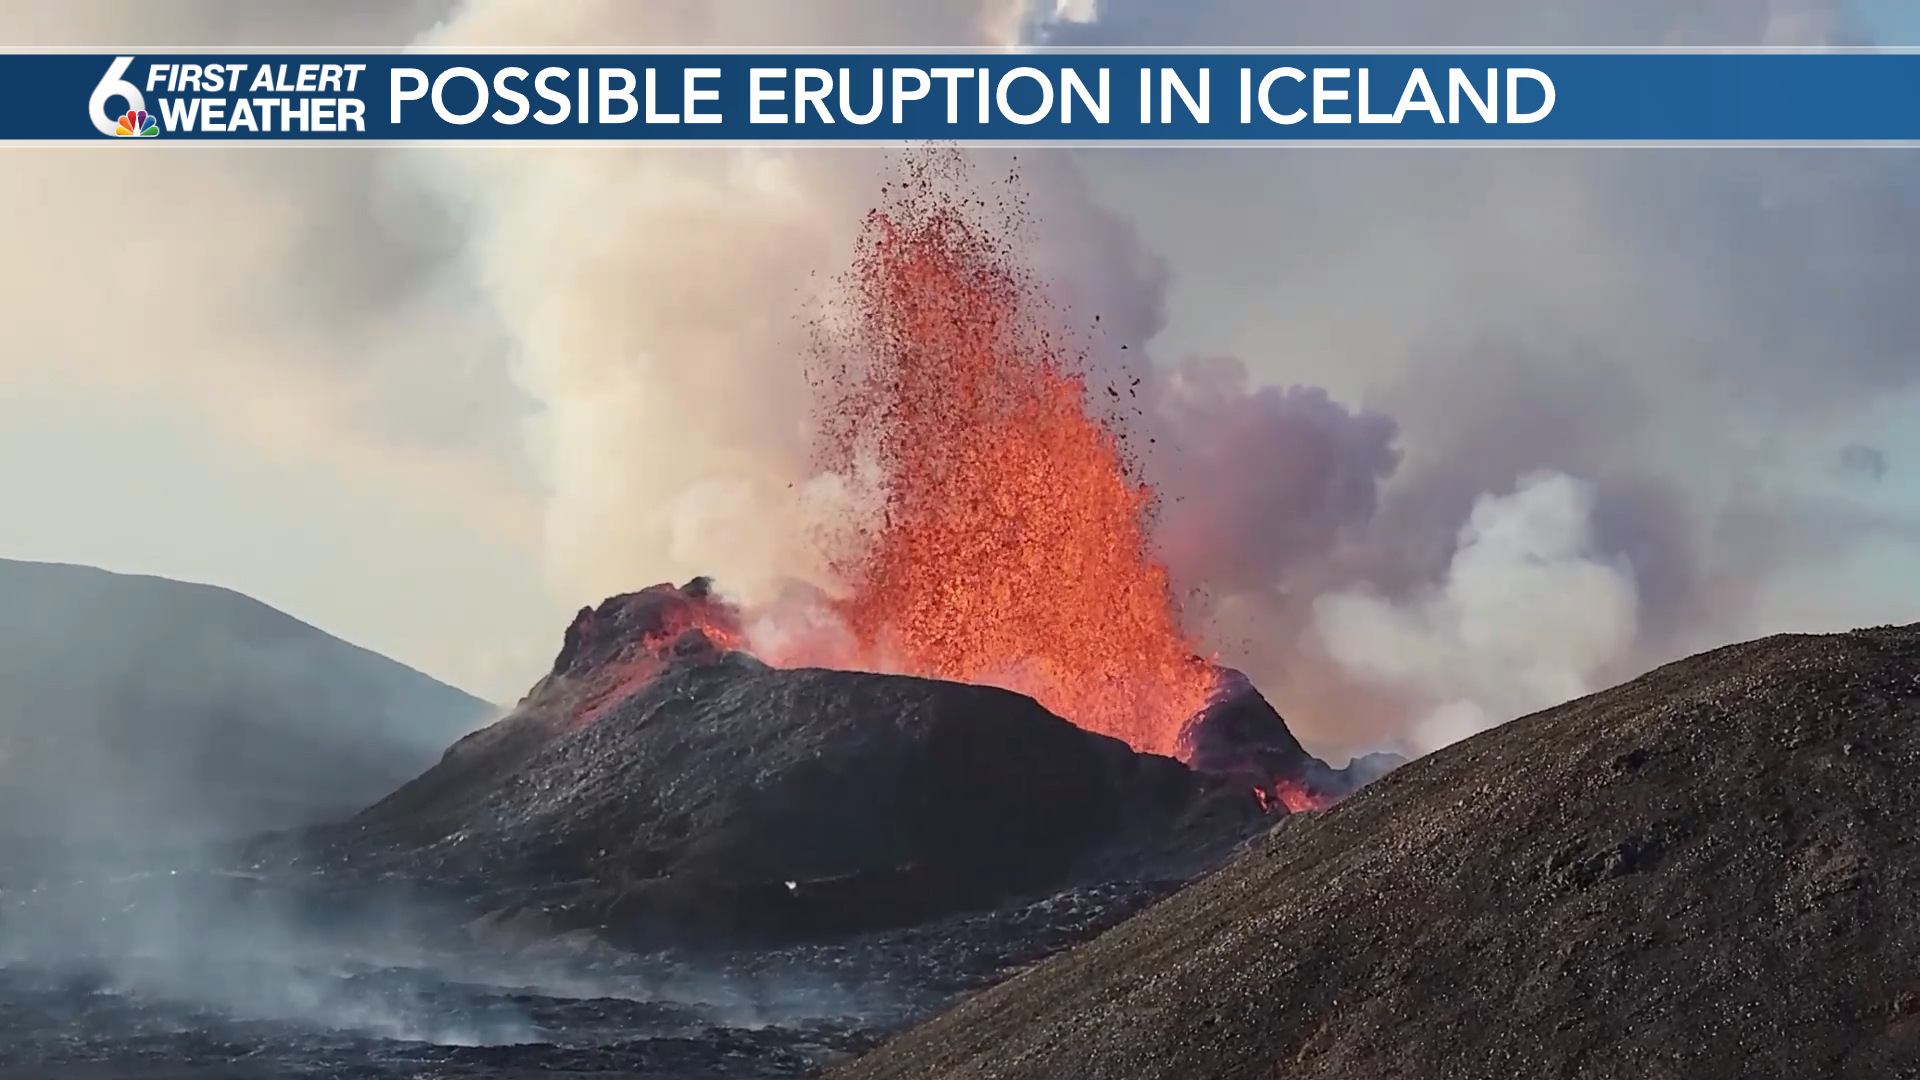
(652,300)
(656,301)
(208,939)
(148,726)
(1529,614)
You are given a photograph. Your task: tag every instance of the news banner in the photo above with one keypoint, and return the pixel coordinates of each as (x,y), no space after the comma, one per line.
(1629,97)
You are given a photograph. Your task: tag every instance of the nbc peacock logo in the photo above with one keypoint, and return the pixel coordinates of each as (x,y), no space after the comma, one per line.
(136,124)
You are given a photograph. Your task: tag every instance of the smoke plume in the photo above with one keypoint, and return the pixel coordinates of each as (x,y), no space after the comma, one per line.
(1468,307)
(595,352)
(1529,614)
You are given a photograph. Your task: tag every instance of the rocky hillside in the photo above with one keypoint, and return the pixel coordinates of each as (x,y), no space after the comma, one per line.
(1709,871)
(136,709)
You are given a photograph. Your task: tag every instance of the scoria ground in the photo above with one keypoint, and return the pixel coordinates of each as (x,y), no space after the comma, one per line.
(1710,871)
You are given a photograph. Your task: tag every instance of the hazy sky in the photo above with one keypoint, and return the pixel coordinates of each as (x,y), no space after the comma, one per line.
(341,381)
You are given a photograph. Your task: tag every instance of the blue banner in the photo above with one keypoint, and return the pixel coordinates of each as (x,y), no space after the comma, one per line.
(1033,97)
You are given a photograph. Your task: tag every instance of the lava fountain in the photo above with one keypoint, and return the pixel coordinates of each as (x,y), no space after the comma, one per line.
(1011,540)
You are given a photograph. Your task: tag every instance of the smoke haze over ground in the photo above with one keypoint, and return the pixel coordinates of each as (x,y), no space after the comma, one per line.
(1354,362)
(145,727)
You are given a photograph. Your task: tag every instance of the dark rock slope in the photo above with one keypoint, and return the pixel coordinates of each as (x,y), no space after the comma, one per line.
(1239,735)
(660,789)
(1713,870)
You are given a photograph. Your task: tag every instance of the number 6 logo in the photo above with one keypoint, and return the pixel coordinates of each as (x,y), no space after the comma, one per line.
(112,85)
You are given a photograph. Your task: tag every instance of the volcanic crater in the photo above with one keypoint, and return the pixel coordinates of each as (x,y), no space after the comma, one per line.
(660,789)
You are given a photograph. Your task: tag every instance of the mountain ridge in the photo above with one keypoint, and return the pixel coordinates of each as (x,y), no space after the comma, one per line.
(137,704)
(263,607)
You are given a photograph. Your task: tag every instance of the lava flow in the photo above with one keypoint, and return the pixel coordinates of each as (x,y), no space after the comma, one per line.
(1292,796)
(1012,543)
(613,650)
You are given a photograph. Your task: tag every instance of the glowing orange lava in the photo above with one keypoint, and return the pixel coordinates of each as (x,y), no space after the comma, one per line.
(1295,796)
(1011,546)
(613,651)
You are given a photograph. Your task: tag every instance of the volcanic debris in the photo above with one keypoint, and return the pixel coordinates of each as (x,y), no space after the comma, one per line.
(1709,871)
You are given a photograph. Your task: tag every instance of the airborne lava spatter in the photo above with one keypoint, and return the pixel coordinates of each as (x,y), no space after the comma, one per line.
(1011,545)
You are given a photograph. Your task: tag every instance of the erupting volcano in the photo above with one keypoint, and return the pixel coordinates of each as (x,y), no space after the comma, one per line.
(1011,543)
(998,533)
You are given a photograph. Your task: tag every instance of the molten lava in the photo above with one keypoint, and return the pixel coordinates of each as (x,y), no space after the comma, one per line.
(998,533)
(1011,545)
(612,651)
(1292,795)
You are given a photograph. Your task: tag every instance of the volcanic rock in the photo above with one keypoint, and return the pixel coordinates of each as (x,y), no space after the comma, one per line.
(1709,871)
(1240,736)
(659,789)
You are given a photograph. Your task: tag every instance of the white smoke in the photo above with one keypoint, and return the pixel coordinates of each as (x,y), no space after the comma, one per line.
(1528,616)
(656,299)
(653,301)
